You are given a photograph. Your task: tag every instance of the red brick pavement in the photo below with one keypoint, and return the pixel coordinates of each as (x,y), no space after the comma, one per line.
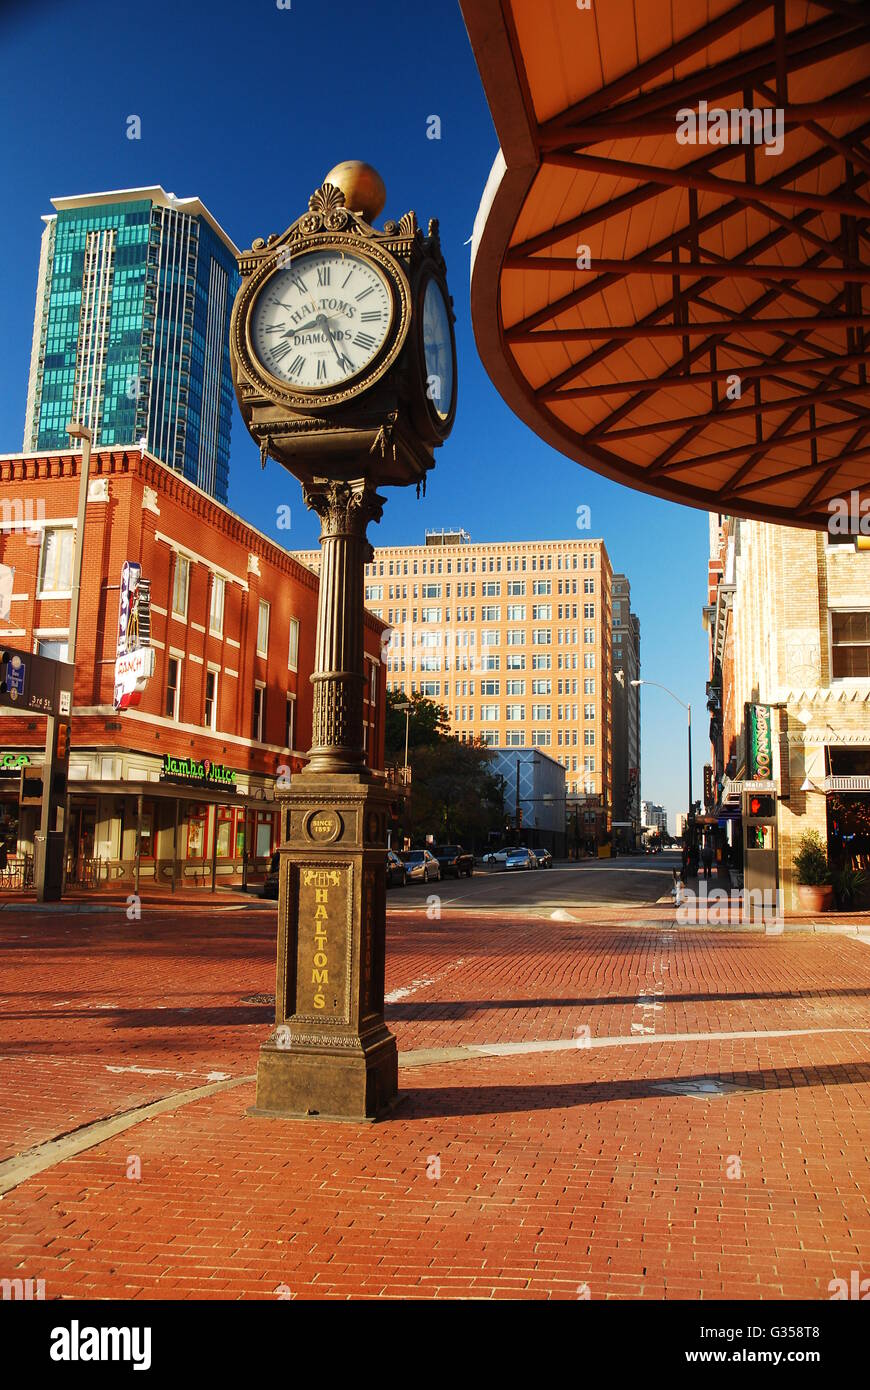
(557,1169)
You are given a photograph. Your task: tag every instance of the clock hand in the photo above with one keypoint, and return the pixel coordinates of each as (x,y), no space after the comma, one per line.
(301,328)
(323,322)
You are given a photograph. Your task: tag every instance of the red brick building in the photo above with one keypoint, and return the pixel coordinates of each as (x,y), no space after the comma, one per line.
(175,788)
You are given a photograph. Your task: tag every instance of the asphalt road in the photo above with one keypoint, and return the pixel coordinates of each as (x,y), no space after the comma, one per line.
(612,882)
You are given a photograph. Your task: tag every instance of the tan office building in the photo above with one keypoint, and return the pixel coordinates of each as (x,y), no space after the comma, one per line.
(514,638)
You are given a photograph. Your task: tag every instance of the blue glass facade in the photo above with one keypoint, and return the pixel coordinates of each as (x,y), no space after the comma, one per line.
(132,334)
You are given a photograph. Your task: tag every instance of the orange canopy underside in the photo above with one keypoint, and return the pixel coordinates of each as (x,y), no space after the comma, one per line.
(684,316)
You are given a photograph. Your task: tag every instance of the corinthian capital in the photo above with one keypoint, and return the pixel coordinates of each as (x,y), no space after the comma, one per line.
(345,509)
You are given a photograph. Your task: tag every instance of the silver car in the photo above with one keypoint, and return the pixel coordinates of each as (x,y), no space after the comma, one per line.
(420,865)
(521,859)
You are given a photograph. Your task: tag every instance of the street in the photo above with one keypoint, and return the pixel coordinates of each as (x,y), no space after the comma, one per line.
(608,882)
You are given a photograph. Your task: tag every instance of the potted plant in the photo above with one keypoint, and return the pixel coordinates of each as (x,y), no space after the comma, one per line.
(815,889)
(848,886)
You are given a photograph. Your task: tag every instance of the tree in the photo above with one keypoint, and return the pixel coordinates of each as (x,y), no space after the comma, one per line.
(455,796)
(428,724)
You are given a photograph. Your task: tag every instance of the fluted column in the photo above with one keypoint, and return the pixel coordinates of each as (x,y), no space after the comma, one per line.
(345,510)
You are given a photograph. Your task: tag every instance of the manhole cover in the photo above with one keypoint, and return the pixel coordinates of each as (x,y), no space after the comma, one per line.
(258,999)
(705,1086)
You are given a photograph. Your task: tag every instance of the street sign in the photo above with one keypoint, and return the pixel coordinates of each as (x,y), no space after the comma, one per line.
(35,684)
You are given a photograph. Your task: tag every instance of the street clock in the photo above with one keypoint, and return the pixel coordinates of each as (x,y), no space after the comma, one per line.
(342,342)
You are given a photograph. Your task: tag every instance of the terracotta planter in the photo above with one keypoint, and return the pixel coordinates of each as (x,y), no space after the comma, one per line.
(815,897)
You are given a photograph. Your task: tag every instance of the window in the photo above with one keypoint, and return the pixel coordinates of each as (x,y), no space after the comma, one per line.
(290,722)
(490,614)
(589,737)
(542,586)
(489,738)
(489,713)
(216,612)
(514,713)
(589,587)
(180,587)
(515,637)
(489,637)
(541,636)
(490,663)
(430,590)
(491,588)
(430,615)
(541,661)
(263,629)
(55,574)
(173,686)
(541,738)
(515,661)
(293,650)
(375,592)
(542,612)
(589,661)
(516,613)
(516,588)
(589,685)
(515,738)
(515,687)
(542,687)
(430,689)
(489,687)
(210,719)
(589,610)
(588,711)
(259,717)
(589,634)
(850,638)
(541,712)
(52,647)
(589,762)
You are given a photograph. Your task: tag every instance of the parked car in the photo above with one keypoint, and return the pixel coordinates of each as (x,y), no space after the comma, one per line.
(498,856)
(544,858)
(420,866)
(395,870)
(270,883)
(452,859)
(521,859)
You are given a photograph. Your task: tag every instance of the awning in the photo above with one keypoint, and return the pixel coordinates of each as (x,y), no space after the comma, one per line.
(682,315)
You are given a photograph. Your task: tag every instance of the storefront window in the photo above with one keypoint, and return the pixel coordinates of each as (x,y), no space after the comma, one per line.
(196,823)
(265,830)
(225,817)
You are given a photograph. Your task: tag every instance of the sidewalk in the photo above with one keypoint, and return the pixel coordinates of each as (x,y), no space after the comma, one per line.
(642,1111)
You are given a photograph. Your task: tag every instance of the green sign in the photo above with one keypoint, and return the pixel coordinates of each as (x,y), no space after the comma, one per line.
(759,743)
(204,773)
(12,763)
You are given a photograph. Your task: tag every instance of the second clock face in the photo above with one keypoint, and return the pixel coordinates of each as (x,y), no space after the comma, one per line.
(321,320)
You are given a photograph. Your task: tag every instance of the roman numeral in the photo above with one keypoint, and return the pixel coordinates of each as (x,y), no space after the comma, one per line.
(371,316)
(363,293)
(296,365)
(278,327)
(364,340)
(299,283)
(321,370)
(279,351)
(323,275)
(349,274)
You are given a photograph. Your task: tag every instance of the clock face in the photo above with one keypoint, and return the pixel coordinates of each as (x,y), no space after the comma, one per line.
(321,320)
(438,349)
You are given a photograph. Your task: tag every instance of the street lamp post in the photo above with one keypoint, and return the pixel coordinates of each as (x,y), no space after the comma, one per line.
(688,709)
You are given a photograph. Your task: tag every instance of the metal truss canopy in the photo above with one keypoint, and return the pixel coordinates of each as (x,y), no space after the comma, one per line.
(682,315)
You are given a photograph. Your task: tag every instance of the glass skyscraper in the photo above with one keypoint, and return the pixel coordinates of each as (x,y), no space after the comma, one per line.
(131,332)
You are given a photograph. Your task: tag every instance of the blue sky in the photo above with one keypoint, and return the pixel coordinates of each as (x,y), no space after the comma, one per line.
(247,106)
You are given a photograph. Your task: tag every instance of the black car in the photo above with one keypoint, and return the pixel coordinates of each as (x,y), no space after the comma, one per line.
(452,859)
(270,883)
(544,858)
(395,870)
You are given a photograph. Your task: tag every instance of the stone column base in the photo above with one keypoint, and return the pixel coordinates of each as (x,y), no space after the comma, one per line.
(331,1055)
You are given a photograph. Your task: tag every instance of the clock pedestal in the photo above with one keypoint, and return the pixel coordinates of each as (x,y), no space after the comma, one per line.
(331,1054)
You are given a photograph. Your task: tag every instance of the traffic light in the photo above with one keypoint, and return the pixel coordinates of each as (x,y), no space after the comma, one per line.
(62,749)
(762,807)
(520,816)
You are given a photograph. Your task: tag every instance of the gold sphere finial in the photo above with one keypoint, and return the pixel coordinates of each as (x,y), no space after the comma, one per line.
(363,188)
